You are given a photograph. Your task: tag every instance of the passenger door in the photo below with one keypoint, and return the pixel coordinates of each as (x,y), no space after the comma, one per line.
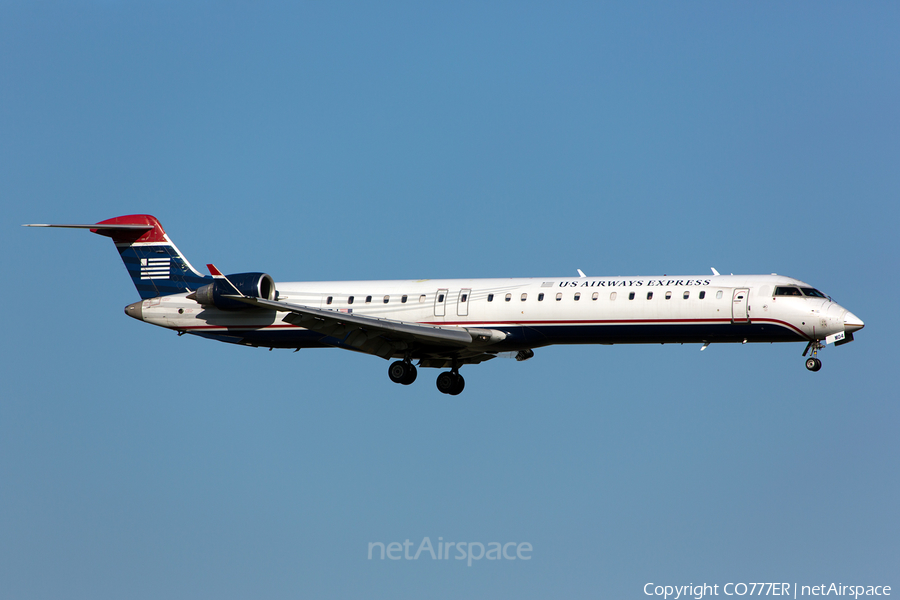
(740,306)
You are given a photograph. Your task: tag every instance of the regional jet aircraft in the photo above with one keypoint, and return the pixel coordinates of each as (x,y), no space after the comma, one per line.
(448,323)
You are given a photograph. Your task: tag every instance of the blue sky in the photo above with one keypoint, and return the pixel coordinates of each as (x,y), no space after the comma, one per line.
(359,141)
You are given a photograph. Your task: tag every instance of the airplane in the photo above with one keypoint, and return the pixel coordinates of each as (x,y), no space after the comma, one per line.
(448,323)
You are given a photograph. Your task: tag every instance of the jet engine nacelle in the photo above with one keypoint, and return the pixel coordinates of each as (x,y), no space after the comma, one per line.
(253,285)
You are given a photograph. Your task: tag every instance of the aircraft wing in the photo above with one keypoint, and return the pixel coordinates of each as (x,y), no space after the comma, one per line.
(385,337)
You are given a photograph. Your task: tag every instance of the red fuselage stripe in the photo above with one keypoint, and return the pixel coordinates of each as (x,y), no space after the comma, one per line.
(526,324)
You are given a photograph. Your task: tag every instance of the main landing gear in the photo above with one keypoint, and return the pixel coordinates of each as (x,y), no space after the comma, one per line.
(402,371)
(448,382)
(813,363)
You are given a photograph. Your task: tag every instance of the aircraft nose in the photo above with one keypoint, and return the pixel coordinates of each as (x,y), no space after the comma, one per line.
(135,310)
(852,322)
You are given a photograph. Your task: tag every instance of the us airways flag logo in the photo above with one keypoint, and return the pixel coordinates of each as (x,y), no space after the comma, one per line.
(155,268)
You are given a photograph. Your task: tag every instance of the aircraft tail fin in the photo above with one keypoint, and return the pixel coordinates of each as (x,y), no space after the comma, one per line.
(156,266)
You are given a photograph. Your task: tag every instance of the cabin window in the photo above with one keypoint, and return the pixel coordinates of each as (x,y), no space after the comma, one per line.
(559,296)
(464,297)
(508,297)
(368,299)
(387,299)
(350,300)
(787,291)
(687,295)
(703,294)
(577,296)
(440,298)
(649,295)
(422,298)
(612,295)
(404,298)
(668,295)
(631,295)
(541,297)
(524,297)
(490,297)
(328,300)
(719,295)
(595,295)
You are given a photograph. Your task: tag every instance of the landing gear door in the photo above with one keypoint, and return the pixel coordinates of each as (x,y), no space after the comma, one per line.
(740,311)
(440,303)
(462,305)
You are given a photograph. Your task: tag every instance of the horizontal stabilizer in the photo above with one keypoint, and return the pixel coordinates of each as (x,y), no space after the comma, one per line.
(155,265)
(94,226)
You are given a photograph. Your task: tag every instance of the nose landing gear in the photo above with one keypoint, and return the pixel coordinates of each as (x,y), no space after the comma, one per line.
(813,363)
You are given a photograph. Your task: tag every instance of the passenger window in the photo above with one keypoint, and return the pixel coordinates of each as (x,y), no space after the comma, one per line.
(541,297)
(490,297)
(422,298)
(403,299)
(596,295)
(577,296)
(387,299)
(559,296)
(687,295)
(524,297)
(464,298)
(631,295)
(668,295)
(350,300)
(612,295)
(508,297)
(328,301)
(440,298)
(649,295)
(719,295)
(703,294)
(368,299)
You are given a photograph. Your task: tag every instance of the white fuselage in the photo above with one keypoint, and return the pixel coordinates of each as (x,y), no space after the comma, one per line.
(536,312)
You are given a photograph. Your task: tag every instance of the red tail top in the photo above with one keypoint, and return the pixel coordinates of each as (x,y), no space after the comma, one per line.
(131,236)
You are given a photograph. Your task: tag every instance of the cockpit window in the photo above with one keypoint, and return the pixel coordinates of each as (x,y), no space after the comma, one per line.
(787,291)
(812,292)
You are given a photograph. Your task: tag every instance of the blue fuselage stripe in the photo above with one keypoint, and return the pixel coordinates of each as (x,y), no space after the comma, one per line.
(532,336)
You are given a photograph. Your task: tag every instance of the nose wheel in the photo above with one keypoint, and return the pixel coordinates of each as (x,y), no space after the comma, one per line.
(402,372)
(450,382)
(813,363)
